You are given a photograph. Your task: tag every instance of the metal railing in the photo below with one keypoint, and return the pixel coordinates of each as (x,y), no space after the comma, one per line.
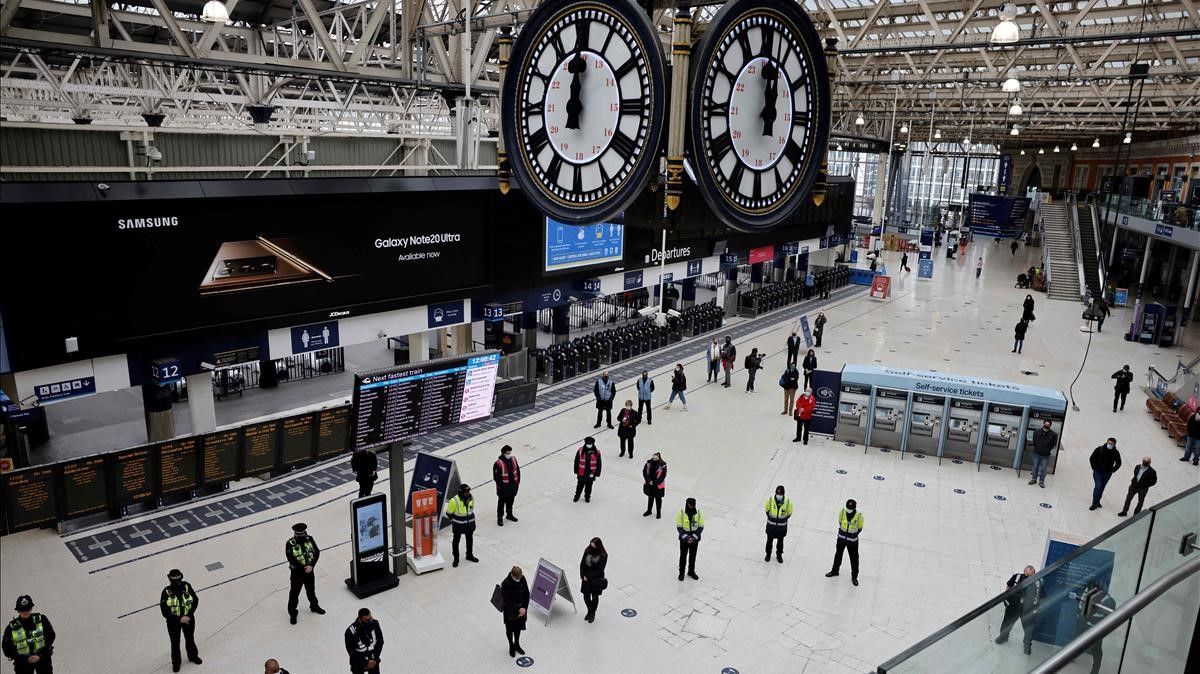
(233,379)
(1101,258)
(1159,384)
(1073,223)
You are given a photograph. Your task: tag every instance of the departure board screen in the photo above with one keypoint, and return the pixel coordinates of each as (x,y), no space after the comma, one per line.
(29,499)
(177,465)
(397,403)
(297,443)
(220,455)
(258,447)
(331,431)
(134,478)
(85,486)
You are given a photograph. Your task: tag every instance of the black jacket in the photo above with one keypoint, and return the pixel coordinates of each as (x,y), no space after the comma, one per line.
(627,422)
(1019,330)
(810,363)
(514,596)
(1194,427)
(791,379)
(591,573)
(364,463)
(611,385)
(793,344)
(1030,595)
(819,324)
(753,362)
(1044,441)
(1124,379)
(1148,480)
(10,650)
(363,642)
(678,381)
(1105,459)
(185,590)
(653,478)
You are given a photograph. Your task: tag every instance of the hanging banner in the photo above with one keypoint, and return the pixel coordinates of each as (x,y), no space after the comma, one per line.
(762,254)
(1006,171)
(826,388)
(804,329)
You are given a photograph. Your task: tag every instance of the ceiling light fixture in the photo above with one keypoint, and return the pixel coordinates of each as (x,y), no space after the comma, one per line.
(1128,138)
(1096,143)
(839,147)
(937,134)
(1007,31)
(1041,150)
(1015,131)
(1011,85)
(1056,148)
(1074,147)
(1022,153)
(903,128)
(859,121)
(215,12)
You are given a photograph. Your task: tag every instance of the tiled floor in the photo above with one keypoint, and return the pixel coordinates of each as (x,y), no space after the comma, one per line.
(929,553)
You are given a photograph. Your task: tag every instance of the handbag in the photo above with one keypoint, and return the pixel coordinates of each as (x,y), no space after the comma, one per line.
(498,598)
(599,585)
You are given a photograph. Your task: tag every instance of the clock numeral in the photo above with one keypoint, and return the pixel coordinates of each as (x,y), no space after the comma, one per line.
(768,36)
(564,146)
(772,155)
(550,107)
(555,167)
(595,150)
(608,133)
(560,50)
(598,65)
(781,140)
(743,40)
(740,88)
(624,145)
(787,117)
(798,82)
(733,111)
(735,175)
(778,179)
(626,68)
(758,164)
(737,135)
(583,29)
(614,107)
(556,85)
(577,178)
(554,129)
(721,145)
(757,184)
(793,152)
(633,106)
(751,70)
(538,140)
(579,156)
(716,109)
(745,152)
(609,82)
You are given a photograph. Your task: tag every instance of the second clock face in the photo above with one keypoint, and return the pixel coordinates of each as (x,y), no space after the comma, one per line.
(759,112)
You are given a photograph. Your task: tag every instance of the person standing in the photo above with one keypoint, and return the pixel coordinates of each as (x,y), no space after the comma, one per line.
(302,553)
(271,666)
(728,358)
(506,473)
(819,328)
(1192,449)
(753,364)
(365,465)
(654,477)
(714,360)
(1019,336)
(779,509)
(689,523)
(178,603)
(1044,442)
(1144,477)
(790,381)
(588,463)
(29,640)
(850,524)
(514,603)
(1022,604)
(605,390)
(805,405)
(591,575)
(1124,378)
(978,264)
(1027,313)
(678,386)
(461,511)
(810,366)
(1105,461)
(823,286)
(645,387)
(810,284)
(793,349)
(627,423)
(364,643)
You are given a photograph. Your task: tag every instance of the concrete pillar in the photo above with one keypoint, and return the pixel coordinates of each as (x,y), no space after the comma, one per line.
(202,407)
(778,266)
(880,188)
(418,346)
(529,327)
(1185,313)
(1137,305)
(560,324)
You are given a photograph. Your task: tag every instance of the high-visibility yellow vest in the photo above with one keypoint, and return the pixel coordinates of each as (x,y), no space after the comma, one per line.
(689,526)
(778,513)
(460,512)
(181,605)
(31,641)
(848,527)
(302,553)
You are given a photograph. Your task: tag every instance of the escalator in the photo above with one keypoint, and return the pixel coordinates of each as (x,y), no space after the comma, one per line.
(1087,239)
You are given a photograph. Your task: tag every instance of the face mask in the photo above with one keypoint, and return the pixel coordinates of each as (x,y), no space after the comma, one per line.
(1109,445)
(589,445)
(779,498)
(1145,464)
(507,454)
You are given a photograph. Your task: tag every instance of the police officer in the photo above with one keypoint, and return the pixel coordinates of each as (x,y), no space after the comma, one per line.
(779,509)
(850,523)
(365,465)
(461,511)
(364,642)
(29,640)
(302,554)
(507,476)
(690,525)
(178,604)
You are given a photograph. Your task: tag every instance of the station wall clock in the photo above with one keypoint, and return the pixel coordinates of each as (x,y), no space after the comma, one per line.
(583,105)
(758,114)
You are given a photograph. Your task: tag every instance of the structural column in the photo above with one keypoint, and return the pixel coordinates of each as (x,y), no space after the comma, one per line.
(418,347)
(1185,314)
(529,327)
(560,323)
(202,407)
(1137,305)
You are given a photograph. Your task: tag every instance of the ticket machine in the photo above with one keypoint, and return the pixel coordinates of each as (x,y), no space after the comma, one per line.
(853,408)
(1036,419)
(925,424)
(1002,434)
(891,409)
(962,429)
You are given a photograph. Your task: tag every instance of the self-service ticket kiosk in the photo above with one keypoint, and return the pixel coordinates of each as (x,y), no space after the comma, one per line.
(925,424)
(891,409)
(962,429)
(1002,434)
(853,409)
(1036,419)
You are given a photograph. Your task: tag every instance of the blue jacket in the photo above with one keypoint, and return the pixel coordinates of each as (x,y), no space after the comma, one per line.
(644,388)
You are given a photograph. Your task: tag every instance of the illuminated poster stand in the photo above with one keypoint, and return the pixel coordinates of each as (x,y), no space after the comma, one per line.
(425,555)
(370,565)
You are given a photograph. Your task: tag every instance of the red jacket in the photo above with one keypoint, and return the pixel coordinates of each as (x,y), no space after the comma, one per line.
(804,406)
(586,462)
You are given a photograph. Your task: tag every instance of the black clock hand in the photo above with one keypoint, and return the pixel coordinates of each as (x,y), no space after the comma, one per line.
(770,75)
(577,66)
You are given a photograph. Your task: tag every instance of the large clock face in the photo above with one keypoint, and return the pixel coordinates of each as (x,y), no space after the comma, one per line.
(583,107)
(759,112)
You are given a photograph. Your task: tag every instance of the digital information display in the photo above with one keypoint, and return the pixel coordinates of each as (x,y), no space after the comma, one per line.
(85,487)
(258,447)
(403,402)
(331,431)
(177,466)
(29,498)
(132,471)
(369,521)
(574,246)
(297,445)
(219,456)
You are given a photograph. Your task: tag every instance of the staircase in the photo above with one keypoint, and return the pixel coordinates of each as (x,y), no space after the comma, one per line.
(1060,252)
(1087,237)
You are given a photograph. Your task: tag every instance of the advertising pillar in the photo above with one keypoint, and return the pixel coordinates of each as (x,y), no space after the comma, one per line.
(201,403)
(560,323)
(370,570)
(418,347)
